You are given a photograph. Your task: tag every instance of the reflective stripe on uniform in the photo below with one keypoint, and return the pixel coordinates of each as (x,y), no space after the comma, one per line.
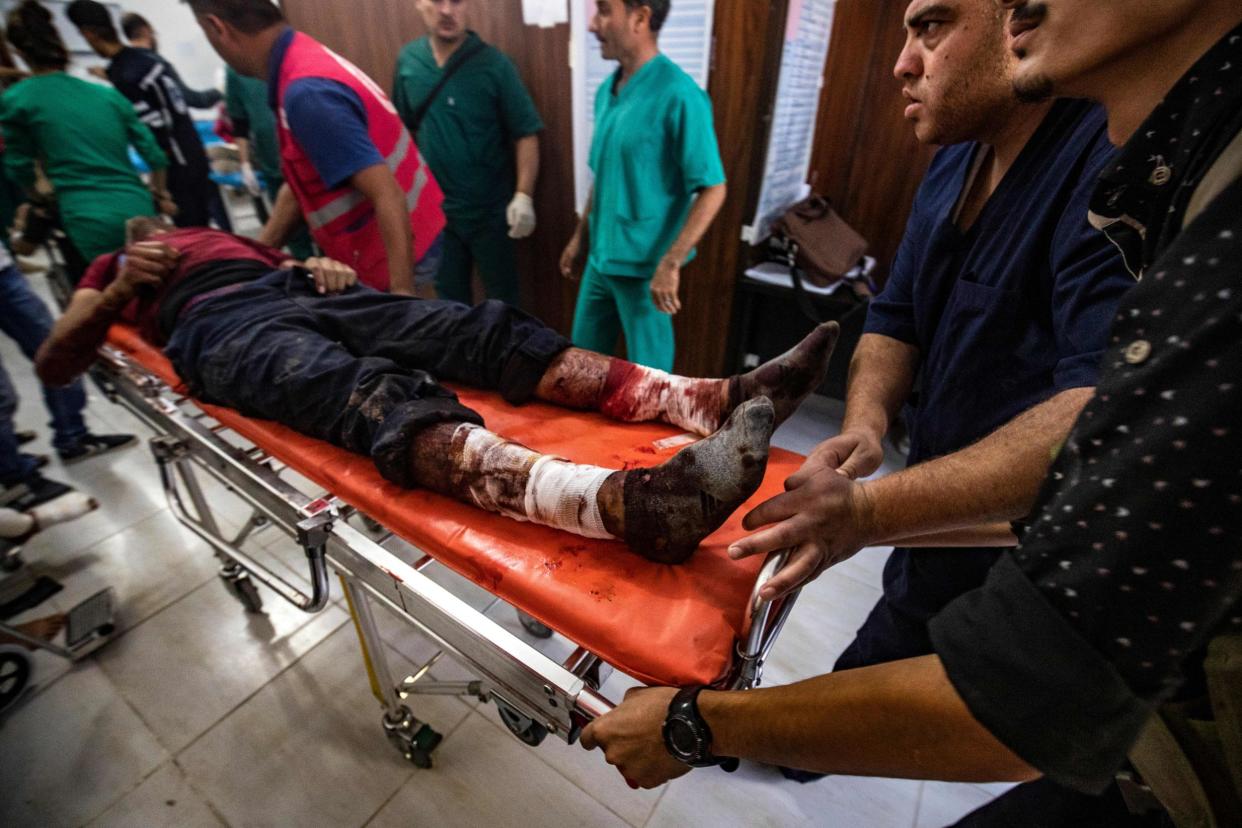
(344,203)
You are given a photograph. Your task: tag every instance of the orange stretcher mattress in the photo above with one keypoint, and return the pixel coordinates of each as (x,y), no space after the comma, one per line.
(671,625)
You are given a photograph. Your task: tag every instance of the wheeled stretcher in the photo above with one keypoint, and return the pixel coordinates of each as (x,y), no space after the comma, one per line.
(697,623)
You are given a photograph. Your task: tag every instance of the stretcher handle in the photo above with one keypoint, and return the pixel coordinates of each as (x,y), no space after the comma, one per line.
(774,564)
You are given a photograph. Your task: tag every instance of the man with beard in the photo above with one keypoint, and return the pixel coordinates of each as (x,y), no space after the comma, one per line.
(1053,668)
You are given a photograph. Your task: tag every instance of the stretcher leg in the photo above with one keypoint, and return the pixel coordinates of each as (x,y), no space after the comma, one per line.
(415,740)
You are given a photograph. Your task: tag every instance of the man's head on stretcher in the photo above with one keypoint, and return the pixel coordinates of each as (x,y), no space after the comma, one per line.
(304,344)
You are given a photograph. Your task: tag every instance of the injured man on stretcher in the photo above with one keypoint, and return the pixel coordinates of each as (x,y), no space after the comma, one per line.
(305,345)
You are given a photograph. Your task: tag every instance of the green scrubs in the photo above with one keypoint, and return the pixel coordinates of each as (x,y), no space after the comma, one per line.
(467,137)
(246,102)
(81,133)
(653,150)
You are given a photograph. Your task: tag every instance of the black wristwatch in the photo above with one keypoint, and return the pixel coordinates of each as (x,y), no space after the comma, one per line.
(687,737)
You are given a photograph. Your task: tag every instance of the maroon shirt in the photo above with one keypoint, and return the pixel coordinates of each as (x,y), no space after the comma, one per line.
(198,246)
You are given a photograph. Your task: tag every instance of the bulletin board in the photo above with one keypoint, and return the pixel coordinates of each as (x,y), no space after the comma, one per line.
(808,31)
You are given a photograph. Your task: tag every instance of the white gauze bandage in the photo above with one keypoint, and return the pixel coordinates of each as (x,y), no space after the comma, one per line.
(556,493)
(565,495)
(14,524)
(69,506)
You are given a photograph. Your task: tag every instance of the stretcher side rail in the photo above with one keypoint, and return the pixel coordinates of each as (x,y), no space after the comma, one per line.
(536,694)
(185,438)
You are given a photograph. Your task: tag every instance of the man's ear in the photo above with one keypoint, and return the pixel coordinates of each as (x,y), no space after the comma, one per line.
(213,25)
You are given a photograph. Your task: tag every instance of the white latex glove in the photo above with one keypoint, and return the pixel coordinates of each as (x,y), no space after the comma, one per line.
(521,216)
(251,180)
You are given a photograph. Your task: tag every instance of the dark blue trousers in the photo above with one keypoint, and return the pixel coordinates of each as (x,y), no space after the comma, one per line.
(360,369)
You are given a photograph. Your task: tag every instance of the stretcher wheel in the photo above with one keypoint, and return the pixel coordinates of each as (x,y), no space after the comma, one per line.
(414,740)
(523,727)
(15,667)
(533,626)
(244,590)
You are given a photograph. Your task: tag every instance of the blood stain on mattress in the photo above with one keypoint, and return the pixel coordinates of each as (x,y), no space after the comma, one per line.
(605,592)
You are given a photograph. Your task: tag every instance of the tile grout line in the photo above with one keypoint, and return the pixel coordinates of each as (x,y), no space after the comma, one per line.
(265,684)
(536,754)
(414,771)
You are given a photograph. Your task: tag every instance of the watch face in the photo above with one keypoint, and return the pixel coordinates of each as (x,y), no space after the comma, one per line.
(682,738)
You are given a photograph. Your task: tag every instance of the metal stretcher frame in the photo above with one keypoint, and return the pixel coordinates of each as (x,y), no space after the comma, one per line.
(535,694)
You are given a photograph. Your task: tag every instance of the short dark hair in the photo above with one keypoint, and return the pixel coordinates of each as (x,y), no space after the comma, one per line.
(93,17)
(659,10)
(132,23)
(33,33)
(250,16)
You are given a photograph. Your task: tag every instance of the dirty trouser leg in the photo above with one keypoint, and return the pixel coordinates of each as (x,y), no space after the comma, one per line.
(263,354)
(491,345)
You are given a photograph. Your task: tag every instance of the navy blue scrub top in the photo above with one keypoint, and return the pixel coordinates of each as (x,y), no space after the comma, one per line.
(1005,315)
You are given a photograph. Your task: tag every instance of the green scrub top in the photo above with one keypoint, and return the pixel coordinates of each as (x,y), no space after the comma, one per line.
(81,132)
(467,135)
(246,101)
(654,148)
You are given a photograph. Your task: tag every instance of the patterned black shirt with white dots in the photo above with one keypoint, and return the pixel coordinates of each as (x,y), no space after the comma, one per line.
(1133,558)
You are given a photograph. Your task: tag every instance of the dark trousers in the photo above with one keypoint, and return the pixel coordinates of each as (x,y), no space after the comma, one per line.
(487,245)
(896,631)
(192,190)
(361,369)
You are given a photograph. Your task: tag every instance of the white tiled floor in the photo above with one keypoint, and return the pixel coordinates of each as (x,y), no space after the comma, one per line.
(199,715)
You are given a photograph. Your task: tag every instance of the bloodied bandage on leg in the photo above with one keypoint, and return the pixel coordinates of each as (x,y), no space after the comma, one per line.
(636,394)
(507,478)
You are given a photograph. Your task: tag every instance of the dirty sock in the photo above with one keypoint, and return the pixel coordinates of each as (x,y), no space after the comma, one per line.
(671,508)
(788,379)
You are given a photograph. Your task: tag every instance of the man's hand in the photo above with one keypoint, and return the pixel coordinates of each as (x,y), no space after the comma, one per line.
(144,267)
(632,738)
(521,216)
(97,72)
(164,203)
(823,517)
(664,286)
(569,259)
(331,277)
(854,453)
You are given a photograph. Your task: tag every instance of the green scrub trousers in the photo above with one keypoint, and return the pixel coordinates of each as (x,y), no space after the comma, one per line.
(609,306)
(467,136)
(488,246)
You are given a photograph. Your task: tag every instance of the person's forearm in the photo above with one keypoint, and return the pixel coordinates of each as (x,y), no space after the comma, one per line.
(902,719)
(881,377)
(583,231)
(394,223)
(983,535)
(73,345)
(159,181)
(995,479)
(526,152)
(286,216)
(703,212)
(243,150)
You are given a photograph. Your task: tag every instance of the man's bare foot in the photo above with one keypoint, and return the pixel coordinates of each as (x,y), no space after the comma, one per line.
(788,379)
(663,513)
